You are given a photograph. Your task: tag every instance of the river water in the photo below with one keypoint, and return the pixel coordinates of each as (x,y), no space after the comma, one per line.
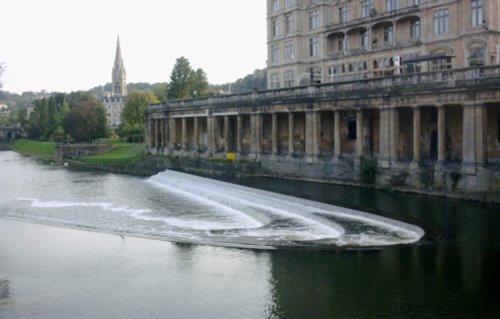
(267,249)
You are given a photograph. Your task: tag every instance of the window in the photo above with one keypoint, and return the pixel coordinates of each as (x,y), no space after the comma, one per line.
(314,20)
(314,46)
(289,3)
(392,5)
(275,81)
(477,56)
(332,70)
(477,12)
(441,64)
(275,5)
(288,24)
(275,52)
(441,21)
(388,33)
(275,27)
(289,78)
(363,38)
(415,30)
(366,8)
(343,14)
(289,50)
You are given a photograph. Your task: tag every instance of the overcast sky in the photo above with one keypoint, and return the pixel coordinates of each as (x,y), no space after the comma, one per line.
(68,45)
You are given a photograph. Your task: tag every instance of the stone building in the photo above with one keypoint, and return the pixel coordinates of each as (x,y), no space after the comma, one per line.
(114,101)
(430,124)
(338,40)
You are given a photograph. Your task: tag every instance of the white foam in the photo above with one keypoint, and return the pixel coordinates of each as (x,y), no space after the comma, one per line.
(103,206)
(306,214)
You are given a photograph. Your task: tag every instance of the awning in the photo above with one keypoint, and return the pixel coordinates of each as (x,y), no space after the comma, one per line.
(429,57)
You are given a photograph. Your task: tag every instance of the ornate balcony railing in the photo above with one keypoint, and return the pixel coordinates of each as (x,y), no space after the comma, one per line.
(409,9)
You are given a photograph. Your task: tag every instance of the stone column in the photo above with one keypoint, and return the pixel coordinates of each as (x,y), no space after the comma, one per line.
(393,134)
(184,134)
(474,148)
(157,133)
(337,151)
(309,136)
(417,132)
(196,135)
(441,128)
(148,137)
(359,133)
(274,133)
(316,133)
(211,134)
(388,136)
(256,133)
(226,134)
(291,130)
(239,138)
(259,133)
(163,133)
(172,134)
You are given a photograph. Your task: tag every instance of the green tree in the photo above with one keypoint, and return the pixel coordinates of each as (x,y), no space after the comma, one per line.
(181,80)
(137,102)
(200,83)
(86,121)
(161,92)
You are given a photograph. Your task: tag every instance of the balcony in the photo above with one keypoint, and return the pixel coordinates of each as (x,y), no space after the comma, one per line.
(373,18)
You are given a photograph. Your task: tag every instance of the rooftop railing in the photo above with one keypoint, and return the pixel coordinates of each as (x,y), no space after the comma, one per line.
(480,77)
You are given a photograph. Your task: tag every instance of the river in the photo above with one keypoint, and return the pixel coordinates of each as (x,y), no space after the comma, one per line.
(181,246)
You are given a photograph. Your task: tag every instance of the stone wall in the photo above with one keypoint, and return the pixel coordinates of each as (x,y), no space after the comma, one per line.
(69,151)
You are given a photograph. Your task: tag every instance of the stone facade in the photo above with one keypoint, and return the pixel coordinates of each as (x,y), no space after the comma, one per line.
(115,101)
(338,40)
(433,132)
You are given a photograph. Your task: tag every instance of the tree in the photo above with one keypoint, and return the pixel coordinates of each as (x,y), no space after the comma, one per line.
(133,112)
(161,92)
(86,121)
(200,83)
(181,80)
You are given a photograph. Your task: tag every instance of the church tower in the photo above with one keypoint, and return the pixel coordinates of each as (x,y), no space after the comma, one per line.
(119,76)
(114,101)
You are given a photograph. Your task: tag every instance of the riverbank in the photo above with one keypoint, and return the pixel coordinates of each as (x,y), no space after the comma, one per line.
(123,159)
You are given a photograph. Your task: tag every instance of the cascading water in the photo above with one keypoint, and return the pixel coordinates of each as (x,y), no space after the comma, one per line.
(243,215)
(185,208)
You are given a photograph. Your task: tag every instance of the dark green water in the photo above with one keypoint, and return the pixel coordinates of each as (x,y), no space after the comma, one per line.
(454,272)
(52,272)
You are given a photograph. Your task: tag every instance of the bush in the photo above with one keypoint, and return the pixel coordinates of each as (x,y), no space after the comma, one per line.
(368,173)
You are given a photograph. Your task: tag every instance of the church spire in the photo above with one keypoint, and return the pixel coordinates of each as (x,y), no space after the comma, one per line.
(119,81)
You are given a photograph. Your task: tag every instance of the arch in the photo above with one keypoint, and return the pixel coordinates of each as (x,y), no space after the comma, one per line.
(333,41)
(476,52)
(442,50)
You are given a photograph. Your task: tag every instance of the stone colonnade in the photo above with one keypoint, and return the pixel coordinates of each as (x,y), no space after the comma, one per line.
(438,133)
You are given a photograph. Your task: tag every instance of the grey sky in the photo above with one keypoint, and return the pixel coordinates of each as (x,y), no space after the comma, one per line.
(62,45)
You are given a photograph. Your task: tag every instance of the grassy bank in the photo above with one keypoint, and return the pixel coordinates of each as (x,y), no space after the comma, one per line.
(122,154)
(41,150)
